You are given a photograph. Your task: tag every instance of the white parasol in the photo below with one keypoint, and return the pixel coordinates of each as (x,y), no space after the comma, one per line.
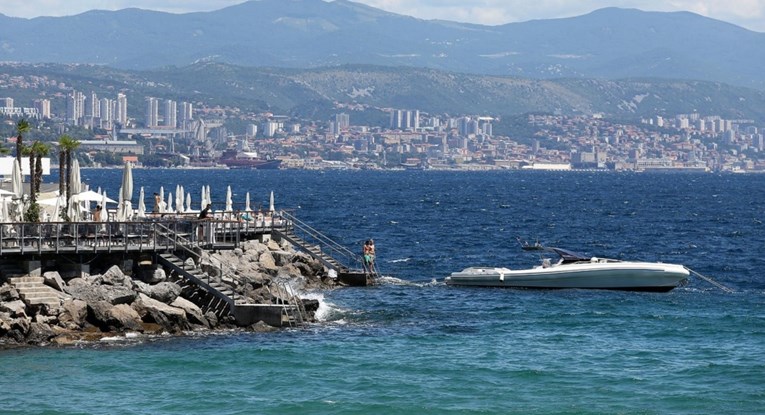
(247,203)
(188,202)
(141,204)
(179,199)
(271,202)
(162,205)
(17,180)
(169,208)
(229,202)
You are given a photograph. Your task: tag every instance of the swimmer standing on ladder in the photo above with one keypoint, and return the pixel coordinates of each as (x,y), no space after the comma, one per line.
(369,255)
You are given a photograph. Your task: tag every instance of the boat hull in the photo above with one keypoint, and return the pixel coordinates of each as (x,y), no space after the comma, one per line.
(251,164)
(632,276)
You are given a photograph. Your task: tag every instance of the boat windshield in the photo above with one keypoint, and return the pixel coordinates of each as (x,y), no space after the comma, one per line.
(569,256)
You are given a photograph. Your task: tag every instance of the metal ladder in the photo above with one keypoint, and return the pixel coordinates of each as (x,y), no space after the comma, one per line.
(321,247)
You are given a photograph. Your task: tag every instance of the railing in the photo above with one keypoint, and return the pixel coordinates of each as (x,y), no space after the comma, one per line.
(67,237)
(137,235)
(286,298)
(327,245)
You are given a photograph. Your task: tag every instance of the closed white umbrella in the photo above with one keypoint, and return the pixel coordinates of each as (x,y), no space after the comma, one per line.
(141,204)
(162,205)
(75,181)
(188,202)
(203,202)
(121,209)
(247,203)
(209,196)
(169,208)
(104,212)
(229,202)
(271,202)
(4,208)
(126,192)
(60,202)
(179,199)
(17,179)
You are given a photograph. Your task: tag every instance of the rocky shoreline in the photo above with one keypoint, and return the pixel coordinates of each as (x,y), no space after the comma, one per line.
(68,308)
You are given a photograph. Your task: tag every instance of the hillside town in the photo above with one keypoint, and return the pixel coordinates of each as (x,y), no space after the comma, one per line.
(194,134)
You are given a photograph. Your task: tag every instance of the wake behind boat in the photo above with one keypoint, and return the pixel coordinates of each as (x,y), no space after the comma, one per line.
(573,270)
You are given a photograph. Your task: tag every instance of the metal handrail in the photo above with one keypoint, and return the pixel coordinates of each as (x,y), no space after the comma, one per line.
(184,245)
(323,240)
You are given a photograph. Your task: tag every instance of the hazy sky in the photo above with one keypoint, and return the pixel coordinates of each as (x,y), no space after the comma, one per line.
(746,13)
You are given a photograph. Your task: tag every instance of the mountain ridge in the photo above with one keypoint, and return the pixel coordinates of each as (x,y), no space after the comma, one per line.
(610,43)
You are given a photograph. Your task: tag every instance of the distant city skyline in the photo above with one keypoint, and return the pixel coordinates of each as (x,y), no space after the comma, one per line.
(749,14)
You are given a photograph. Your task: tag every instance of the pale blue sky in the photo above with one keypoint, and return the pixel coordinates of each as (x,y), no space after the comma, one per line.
(746,13)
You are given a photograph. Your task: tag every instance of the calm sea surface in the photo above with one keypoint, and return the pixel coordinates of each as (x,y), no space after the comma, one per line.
(415,346)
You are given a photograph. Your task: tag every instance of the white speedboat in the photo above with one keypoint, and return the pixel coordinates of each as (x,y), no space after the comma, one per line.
(576,271)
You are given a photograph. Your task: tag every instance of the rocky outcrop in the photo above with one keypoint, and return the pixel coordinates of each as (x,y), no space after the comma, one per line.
(91,307)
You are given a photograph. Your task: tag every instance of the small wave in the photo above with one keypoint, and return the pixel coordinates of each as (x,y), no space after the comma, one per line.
(326,311)
(398,281)
(394,261)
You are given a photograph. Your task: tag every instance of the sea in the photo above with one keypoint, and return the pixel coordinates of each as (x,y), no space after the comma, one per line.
(412,345)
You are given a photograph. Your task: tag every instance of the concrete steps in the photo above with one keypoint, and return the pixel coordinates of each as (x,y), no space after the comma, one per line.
(34,292)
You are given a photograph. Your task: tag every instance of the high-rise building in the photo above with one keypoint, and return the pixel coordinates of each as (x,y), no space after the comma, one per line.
(6,102)
(187,114)
(152,112)
(43,107)
(75,108)
(92,107)
(342,121)
(106,109)
(120,110)
(170,114)
(252,130)
(270,128)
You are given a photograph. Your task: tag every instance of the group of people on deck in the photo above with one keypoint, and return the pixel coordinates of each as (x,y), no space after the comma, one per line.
(369,255)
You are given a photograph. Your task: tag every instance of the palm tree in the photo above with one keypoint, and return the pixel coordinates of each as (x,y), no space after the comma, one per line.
(22,127)
(68,144)
(62,163)
(28,151)
(40,149)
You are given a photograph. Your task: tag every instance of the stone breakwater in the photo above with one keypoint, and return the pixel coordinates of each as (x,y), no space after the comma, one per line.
(66,309)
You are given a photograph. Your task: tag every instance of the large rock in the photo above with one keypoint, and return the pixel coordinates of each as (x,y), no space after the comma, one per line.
(8,293)
(171,319)
(53,279)
(252,249)
(193,312)
(74,312)
(98,314)
(114,294)
(126,317)
(267,261)
(157,276)
(273,245)
(39,333)
(282,258)
(115,276)
(165,292)
(16,308)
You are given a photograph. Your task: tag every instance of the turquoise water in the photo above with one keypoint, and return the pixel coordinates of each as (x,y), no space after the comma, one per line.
(414,345)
